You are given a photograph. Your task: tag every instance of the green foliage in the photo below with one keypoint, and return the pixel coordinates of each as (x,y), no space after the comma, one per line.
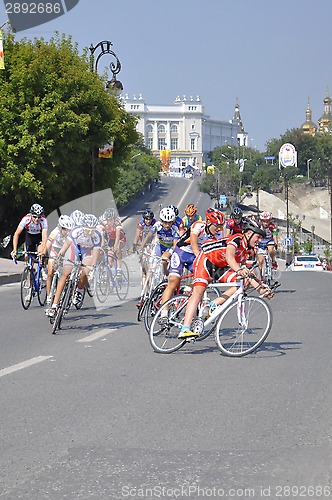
(55,114)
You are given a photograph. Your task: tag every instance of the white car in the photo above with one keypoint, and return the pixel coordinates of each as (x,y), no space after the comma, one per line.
(306,263)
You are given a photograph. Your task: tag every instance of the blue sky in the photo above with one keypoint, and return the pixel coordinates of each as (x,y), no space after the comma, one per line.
(271,55)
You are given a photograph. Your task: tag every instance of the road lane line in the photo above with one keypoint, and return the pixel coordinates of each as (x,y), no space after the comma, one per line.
(97,335)
(24,364)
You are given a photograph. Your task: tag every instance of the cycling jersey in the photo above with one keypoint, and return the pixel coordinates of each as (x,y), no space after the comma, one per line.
(188,223)
(211,264)
(57,239)
(83,242)
(144,228)
(270,231)
(179,223)
(233,227)
(200,229)
(109,231)
(165,238)
(31,226)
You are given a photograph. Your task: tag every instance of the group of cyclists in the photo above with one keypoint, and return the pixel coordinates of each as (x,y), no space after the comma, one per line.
(78,237)
(211,248)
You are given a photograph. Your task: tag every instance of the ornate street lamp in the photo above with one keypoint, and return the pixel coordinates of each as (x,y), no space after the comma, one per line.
(105,47)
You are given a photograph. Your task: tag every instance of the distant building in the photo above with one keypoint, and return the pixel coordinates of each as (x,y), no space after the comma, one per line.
(309,127)
(183,130)
(324,122)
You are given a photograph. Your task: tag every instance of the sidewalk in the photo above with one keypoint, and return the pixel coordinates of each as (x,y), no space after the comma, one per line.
(9,271)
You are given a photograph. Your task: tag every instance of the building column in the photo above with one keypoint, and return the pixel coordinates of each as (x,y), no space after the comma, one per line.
(155,135)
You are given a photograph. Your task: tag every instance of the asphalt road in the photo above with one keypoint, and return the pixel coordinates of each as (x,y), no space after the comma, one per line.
(94,413)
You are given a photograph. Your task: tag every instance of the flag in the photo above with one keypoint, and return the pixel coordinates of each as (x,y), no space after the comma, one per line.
(2,60)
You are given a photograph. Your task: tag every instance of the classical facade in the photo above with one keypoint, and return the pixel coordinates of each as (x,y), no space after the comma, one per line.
(183,130)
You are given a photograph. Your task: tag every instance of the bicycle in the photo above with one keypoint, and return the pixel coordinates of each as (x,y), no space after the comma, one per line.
(109,277)
(270,274)
(67,296)
(32,280)
(154,277)
(241,323)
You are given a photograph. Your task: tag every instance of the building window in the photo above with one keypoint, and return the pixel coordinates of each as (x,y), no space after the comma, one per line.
(161,128)
(149,128)
(174,143)
(174,129)
(193,144)
(149,142)
(161,143)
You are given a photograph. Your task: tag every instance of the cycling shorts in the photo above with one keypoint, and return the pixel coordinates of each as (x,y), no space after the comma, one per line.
(179,260)
(205,272)
(261,246)
(32,241)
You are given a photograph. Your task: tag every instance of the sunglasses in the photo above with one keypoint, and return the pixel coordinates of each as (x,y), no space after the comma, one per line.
(36,216)
(217,226)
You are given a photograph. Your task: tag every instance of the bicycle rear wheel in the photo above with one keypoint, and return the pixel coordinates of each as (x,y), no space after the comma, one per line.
(26,288)
(163,334)
(235,339)
(122,281)
(102,284)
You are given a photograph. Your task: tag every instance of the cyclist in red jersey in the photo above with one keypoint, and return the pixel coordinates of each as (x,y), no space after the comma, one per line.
(223,261)
(235,223)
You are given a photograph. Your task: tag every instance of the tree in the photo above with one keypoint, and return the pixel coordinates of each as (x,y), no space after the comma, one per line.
(55,114)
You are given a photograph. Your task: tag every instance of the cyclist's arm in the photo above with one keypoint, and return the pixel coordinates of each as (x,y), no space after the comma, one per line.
(15,238)
(194,243)
(44,240)
(232,262)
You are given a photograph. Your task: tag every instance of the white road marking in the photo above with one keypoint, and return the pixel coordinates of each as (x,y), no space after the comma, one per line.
(97,335)
(24,364)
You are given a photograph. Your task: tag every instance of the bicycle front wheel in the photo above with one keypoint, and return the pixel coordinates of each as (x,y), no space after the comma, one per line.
(26,288)
(163,334)
(153,304)
(41,291)
(239,333)
(102,285)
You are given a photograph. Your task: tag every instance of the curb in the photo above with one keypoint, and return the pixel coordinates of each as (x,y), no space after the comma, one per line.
(10,278)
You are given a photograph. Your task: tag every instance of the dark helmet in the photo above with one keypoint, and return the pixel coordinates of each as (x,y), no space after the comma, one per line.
(36,209)
(148,214)
(251,225)
(237,212)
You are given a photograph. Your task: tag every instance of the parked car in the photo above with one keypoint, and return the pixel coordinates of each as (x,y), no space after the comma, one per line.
(306,263)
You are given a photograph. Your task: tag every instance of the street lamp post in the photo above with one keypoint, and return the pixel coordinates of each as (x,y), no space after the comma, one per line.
(104,48)
(308,168)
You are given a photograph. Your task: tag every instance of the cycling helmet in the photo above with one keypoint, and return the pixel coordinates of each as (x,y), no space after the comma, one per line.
(66,222)
(215,216)
(265,216)
(77,217)
(176,210)
(167,214)
(254,227)
(110,213)
(36,209)
(90,221)
(190,210)
(237,213)
(148,214)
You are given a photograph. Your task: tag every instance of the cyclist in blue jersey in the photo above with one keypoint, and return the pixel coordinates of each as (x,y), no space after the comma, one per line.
(191,215)
(166,234)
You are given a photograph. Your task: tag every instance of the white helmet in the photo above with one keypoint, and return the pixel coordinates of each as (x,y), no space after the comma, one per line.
(167,214)
(90,221)
(265,216)
(77,216)
(66,222)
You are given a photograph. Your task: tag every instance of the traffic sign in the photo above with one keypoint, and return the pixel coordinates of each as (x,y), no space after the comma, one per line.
(288,241)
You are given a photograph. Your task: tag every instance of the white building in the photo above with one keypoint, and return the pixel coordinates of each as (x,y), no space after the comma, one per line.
(184,129)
